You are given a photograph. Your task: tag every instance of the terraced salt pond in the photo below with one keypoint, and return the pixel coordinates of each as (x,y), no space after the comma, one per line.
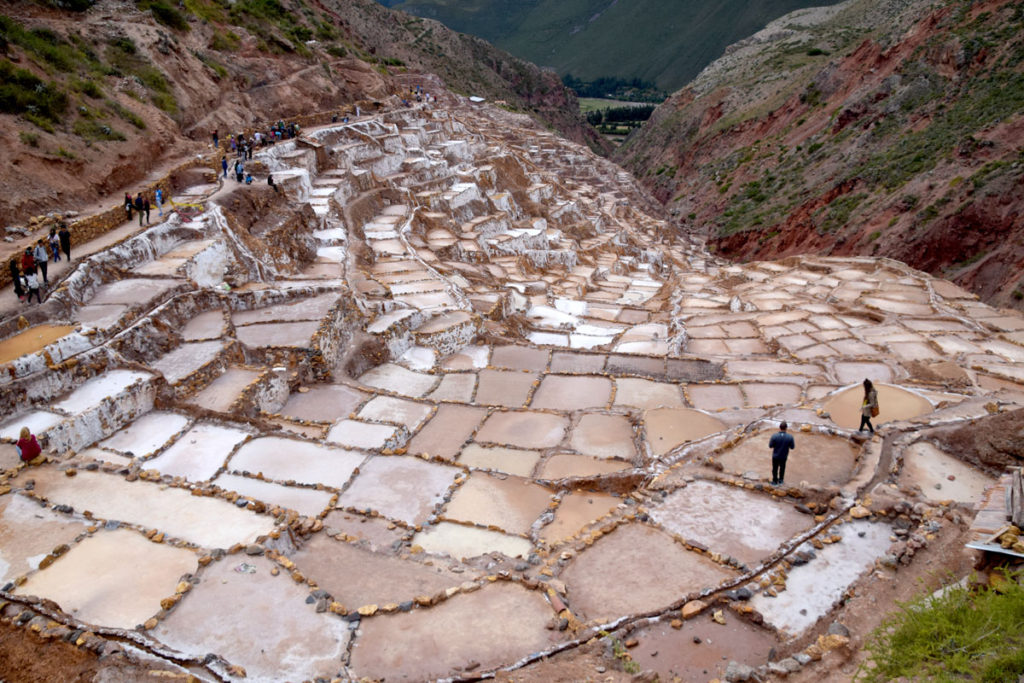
(469,433)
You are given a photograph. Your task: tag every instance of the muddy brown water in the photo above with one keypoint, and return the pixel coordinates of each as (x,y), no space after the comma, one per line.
(676,653)
(32,340)
(894,404)
(817,458)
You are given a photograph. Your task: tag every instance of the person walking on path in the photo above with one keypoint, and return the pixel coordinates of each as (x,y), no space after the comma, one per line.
(781,444)
(128,204)
(139,207)
(41,259)
(216,139)
(65,241)
(224,165)
(28,448)
(158,196)
(16,278)
(28,262)
(146,207)
(54,242)
(32,285)
(869,407)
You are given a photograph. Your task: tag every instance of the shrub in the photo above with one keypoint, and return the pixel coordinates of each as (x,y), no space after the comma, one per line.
(88,88)
(165,14)
(124,58)
(127,114)
(30,139)
(21,92)
(95,131)
(225,42)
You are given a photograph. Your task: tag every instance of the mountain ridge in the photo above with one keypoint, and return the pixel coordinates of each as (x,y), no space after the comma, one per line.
(667,43)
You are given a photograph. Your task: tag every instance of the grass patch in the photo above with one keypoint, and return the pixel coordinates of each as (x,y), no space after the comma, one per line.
(87,88)
(126,114)
(46,48)
(960,635)
(123,56)
(839,211)
(212,63)
(95,131)
(30,139)
(227,41)
(21,92)
(210,11)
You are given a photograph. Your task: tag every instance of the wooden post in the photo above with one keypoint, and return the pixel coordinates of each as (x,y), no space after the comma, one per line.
(1015,499)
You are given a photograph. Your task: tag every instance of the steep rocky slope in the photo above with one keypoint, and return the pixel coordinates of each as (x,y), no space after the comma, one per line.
(891,129)
(93,100)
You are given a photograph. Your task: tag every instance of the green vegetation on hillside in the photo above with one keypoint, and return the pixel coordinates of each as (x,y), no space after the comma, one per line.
(955,636)
(666,42)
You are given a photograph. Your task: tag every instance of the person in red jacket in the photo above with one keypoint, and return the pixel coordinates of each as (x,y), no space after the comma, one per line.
(28,262)
(28,448)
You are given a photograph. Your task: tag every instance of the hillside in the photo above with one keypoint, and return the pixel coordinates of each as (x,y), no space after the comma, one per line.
(94,96)
(666,43)
(890,129)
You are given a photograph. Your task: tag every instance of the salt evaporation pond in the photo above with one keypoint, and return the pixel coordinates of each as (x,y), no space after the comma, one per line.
(92,393)
(38,422)
(147,434)
(814,588)
(32,340)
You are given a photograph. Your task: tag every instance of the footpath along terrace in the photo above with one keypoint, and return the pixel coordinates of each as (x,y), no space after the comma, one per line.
(466,403)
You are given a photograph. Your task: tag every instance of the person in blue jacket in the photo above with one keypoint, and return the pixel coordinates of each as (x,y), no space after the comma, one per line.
(781,444)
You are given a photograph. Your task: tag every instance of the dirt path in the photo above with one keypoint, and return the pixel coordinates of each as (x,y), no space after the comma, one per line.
(9,303)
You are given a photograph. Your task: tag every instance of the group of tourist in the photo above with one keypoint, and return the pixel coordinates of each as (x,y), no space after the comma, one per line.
(417,93)
(782,442)
(141,205)
(29,271)
(242,146)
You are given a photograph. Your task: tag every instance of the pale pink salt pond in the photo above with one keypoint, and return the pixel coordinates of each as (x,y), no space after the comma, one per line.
(399,487)
(295,460)
(298,334)
(222,393)
(147,434)
(511,504)
(730,520)
(207,522)
(667,428)
(113,578)
(635,569)
(199,453)
(817,459)
(576,511)
(324,402)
